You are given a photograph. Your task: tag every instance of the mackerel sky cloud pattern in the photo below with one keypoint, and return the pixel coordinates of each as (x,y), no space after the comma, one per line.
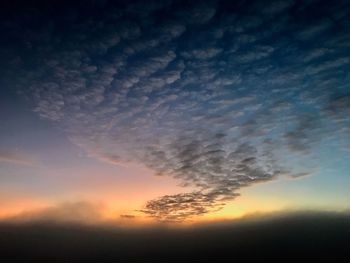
(219,95)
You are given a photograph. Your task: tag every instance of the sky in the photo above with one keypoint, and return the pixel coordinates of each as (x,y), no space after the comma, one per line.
(173,111)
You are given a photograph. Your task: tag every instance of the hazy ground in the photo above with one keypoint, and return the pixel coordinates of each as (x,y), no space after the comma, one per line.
(316,235)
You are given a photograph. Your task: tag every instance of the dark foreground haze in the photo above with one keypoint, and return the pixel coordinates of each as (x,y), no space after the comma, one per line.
(282,237)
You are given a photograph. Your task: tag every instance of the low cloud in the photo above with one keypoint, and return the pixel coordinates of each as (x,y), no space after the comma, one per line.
(127,216)
(69,212)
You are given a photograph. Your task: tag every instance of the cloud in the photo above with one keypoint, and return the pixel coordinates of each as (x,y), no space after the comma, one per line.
(317,53)
(127,216)
(300,175)
(217,171)
(339,105)
(299,139)
(275,7)
(69,212)
(202,53)
(260,53)
(338,110)
(179,207)
(315,69)
(312,30)
(198,14)
(16,158)
(217,96)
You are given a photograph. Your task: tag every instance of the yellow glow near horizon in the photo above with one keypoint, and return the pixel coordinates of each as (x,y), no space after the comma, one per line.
(114,197)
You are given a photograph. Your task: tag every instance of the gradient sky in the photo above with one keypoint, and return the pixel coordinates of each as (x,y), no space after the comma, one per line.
(173,110)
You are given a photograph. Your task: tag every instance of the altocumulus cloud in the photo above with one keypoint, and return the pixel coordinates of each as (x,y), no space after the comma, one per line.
(217,95)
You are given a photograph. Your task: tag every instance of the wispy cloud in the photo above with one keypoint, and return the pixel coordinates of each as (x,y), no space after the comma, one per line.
(69,212)
(16,158)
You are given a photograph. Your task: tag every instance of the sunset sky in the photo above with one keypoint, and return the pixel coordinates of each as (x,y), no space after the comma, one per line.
(173,111)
